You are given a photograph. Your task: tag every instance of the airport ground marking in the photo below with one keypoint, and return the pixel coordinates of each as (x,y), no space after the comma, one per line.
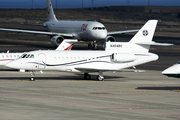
(93,104)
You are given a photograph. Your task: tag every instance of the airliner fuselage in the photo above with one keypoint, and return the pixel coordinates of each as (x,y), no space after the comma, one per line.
(81,30)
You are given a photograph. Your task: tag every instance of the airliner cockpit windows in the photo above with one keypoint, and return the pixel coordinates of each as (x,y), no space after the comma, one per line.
(178,62)
(99,28)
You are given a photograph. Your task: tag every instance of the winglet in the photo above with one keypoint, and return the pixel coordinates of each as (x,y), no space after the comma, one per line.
(67,44)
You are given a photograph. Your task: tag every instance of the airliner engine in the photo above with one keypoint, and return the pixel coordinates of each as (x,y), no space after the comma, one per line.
(110,39)
(56,40)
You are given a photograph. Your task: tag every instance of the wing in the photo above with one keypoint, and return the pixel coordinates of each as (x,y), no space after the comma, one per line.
(105,70)
(120,32)
(36,32)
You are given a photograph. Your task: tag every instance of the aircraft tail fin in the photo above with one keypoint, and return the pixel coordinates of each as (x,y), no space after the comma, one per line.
(67,44)
(50,11)
(140,42)
(146,33)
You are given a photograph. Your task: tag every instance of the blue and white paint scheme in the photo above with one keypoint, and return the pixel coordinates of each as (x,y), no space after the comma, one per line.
(116,57)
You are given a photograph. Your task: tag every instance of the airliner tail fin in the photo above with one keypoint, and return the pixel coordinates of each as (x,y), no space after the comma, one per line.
(50,11)
(67,44)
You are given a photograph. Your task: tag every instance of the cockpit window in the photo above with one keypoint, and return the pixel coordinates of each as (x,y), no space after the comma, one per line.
(27,56)
(32,56)
(23,56)
(99,28)
(178,62)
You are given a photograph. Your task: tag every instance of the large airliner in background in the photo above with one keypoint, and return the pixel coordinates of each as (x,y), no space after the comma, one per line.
(81,30)
(116,57)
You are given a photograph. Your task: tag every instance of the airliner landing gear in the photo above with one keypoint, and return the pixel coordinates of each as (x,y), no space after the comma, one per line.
(32,75)
(87,76)
(93,45)
(100,76)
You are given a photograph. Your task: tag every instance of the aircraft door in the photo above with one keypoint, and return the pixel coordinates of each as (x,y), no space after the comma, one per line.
(42,61)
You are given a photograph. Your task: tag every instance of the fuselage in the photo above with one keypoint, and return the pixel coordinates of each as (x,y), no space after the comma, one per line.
(72,60)
(81,30)
(7,57)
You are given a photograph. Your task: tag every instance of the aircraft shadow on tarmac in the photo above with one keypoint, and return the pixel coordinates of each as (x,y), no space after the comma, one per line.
(71,78)
(160,88)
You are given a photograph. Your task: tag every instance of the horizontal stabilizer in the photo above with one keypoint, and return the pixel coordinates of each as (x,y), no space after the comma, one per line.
(153,43)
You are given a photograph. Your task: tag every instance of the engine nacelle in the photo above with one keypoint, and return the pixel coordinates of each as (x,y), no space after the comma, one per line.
(123,58)
(110,39)
(56,40)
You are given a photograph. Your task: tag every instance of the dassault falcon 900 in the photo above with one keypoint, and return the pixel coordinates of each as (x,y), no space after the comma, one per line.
(81,30)
(116,57)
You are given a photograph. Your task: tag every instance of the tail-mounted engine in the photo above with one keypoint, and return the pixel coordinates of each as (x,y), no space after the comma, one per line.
(56,40)
(122,58)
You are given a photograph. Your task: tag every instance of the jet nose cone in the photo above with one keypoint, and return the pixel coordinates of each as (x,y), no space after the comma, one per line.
(11,65)
(101,34)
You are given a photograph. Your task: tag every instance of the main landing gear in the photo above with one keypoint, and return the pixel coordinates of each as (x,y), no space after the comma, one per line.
(99,77)
(93,45)
(32,75)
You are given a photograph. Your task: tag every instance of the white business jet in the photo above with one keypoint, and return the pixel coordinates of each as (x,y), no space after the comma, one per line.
(80,30)
(7,57)
(173,71)
(116,57)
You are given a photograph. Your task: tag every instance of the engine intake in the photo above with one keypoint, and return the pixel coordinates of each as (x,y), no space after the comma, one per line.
(110,39)
(56,40)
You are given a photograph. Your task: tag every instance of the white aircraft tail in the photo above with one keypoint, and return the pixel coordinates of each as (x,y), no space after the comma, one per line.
(67,44)
(50,11)
(140,42)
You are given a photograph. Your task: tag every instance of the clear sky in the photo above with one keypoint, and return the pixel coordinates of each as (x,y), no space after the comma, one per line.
(86,3)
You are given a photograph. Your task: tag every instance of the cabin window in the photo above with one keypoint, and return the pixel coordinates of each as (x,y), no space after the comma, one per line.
(2,56)
(7,56)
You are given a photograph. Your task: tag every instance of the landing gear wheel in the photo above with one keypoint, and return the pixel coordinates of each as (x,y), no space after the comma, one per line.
(93,45)
(87,76)
(100,78)
(31,79)
(32,75)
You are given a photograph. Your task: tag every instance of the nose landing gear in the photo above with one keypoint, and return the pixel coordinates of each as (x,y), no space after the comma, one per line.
(32,75)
